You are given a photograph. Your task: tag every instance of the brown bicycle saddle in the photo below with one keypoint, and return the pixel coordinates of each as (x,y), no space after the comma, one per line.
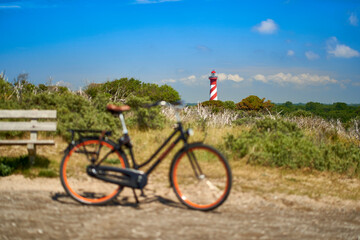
(117,109)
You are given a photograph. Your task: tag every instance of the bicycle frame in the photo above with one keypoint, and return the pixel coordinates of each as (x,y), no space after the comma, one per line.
(125,141)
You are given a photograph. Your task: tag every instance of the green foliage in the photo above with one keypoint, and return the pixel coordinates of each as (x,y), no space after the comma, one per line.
(345,113)
(120,90)
(300,113)
(277,143)
(6,89)
(87,112)
(229,105)
(270,125)
(313,106)
(5,170)
(166,93)
(242,121)
(254,103)
(10,165)
(144,118)
(219,106)
(214,105)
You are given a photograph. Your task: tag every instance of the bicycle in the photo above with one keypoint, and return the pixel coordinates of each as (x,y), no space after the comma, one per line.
(95,169)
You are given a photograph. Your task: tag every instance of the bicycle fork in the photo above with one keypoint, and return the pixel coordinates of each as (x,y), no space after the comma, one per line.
(195,166)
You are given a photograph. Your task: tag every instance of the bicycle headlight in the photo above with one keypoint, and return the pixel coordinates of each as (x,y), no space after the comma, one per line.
(190,132)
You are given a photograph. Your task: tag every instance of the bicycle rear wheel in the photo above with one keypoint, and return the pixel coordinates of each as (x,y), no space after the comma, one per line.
(201,177)
(73,171)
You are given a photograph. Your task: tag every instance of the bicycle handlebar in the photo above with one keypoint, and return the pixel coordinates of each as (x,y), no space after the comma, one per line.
(164,103)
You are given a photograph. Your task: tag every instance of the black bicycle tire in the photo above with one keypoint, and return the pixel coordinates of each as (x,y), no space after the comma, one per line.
(226,165)
(63,178)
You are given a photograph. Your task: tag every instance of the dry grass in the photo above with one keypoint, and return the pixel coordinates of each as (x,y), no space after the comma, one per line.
(322,128)
(313,184)
(200,114)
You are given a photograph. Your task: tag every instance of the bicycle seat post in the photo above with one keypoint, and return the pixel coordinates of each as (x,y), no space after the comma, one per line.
(122,120)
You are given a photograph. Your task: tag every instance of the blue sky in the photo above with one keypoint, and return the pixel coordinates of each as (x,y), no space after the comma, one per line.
(283,50)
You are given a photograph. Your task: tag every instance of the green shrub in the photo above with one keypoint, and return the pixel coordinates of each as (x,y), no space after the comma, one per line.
(242,121)
(282,144)
(5,170)
(144,118)
(230,105)
(120,90)
(214,105)
(300,113)
(254,103)
(271,125)
(21,164)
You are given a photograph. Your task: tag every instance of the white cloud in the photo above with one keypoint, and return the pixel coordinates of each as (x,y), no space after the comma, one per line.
(205,76)
(235,78)
(311,55)
(300,79)
(189,80)
(305,79)
(34,4)
(154,1)
(336,49)
(266,27)
(290,53)
(260,77)
(221,77)
(202,48)
(168,81)
(353,19)
(231,77)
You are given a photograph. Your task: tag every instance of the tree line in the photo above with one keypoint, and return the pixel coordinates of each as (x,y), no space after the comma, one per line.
(253,104)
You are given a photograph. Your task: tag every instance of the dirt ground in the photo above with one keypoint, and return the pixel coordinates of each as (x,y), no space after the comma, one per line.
(39,209)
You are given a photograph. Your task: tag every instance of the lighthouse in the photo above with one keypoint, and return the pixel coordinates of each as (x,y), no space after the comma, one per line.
(213,86)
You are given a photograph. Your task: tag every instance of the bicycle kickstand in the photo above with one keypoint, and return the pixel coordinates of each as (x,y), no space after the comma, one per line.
(141,195)
(136,198)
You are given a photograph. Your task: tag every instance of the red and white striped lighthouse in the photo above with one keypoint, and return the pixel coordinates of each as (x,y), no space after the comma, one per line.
(213,86)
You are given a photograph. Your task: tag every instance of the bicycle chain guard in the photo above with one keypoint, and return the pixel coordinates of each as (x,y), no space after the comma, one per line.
(127,178)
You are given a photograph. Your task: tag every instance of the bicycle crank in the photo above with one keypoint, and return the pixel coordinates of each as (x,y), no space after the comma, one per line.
(125,177)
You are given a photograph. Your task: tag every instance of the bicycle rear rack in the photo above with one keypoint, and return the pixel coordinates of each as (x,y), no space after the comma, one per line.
(80,133)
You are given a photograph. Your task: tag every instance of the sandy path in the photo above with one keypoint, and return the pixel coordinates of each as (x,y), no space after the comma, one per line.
(39,209)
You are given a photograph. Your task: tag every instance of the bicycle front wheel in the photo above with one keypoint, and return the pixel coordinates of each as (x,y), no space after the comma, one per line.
(201,177)
(73,171)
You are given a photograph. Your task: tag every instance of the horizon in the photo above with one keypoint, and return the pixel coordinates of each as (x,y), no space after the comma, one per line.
(285,50)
